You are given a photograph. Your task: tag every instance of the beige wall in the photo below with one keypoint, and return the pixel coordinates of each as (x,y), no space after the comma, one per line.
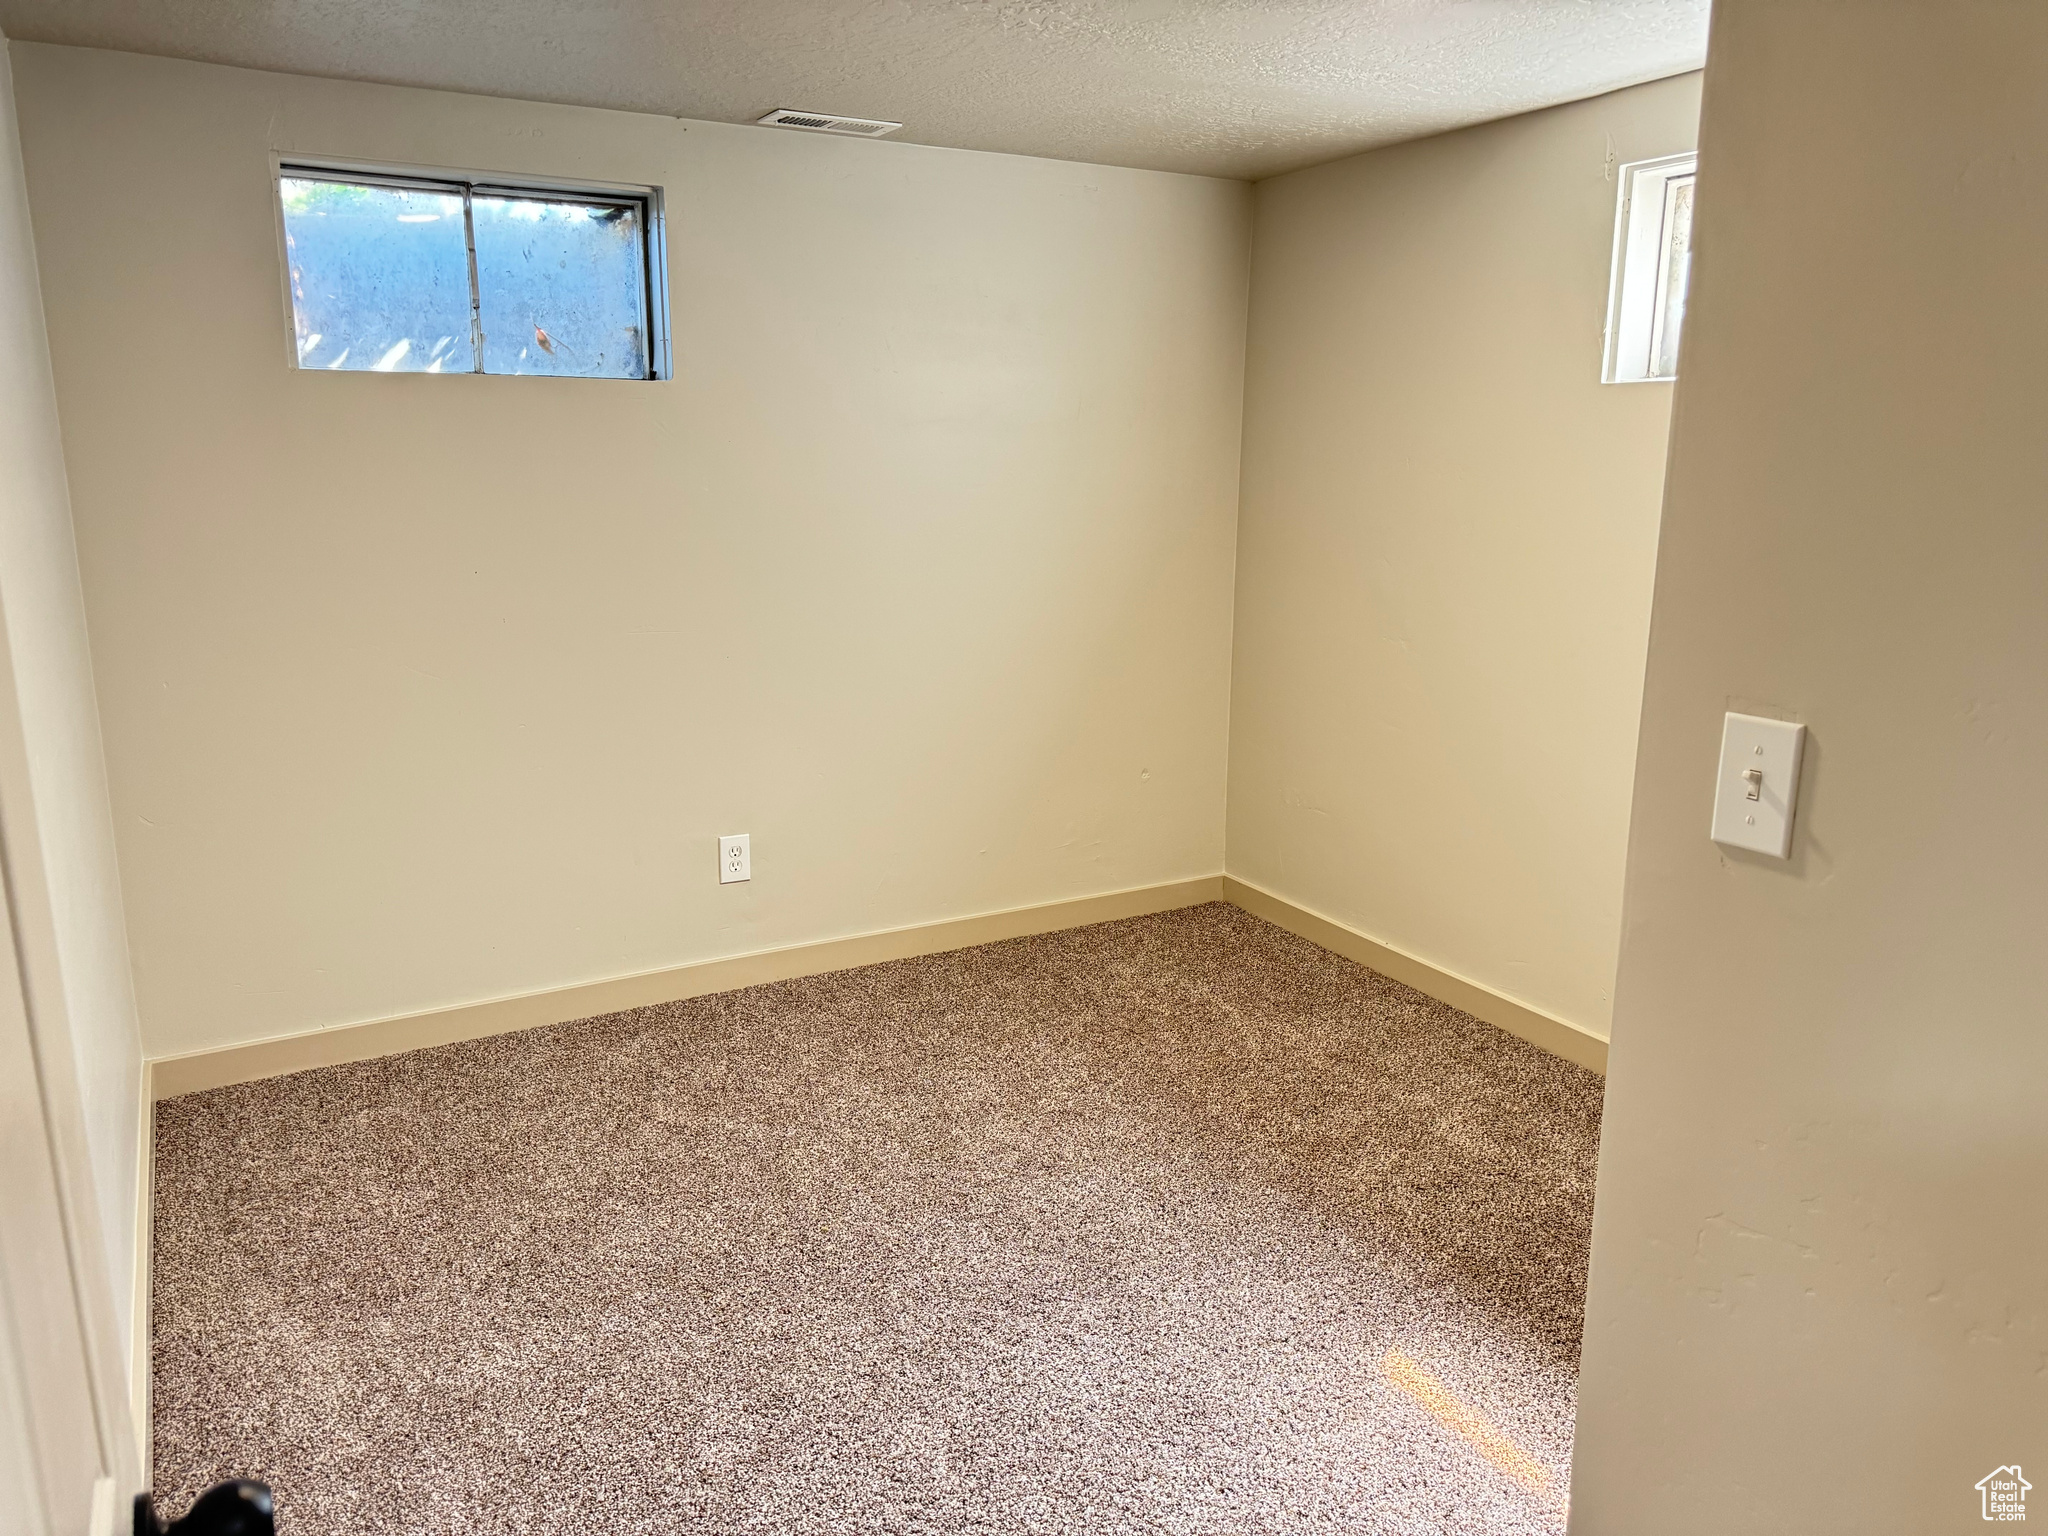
(421,690)
(1446,546)
(63,884)
(1819,1294)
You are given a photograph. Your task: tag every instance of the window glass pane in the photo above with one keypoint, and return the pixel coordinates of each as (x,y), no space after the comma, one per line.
(1676,275)
(380,277)
(561,286)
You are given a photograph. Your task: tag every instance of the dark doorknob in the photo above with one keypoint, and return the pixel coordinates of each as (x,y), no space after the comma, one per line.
(228,1509)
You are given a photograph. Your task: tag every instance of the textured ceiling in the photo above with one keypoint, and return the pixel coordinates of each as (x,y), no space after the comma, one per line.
(1243,88)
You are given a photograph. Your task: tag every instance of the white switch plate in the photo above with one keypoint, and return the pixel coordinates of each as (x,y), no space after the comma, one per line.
(735,859)
(1769,750)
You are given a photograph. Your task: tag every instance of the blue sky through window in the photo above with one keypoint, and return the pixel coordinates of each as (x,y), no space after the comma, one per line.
(381,280)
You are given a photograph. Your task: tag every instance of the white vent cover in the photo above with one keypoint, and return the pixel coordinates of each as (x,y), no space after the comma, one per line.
(824,122)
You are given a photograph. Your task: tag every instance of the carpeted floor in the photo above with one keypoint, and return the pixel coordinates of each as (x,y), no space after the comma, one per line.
(1178,1224)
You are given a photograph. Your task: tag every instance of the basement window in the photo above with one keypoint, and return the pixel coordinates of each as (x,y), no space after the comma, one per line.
(1652,270)
(419,274)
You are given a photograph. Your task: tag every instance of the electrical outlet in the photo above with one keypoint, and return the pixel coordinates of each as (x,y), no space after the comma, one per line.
(735,859)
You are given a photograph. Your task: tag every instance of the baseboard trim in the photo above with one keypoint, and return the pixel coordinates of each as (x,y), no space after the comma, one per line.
(140,1279)
(196,1071)
(1558,1036)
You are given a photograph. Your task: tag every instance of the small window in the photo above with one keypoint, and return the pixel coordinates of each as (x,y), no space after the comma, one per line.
(1652,268)
(403,274)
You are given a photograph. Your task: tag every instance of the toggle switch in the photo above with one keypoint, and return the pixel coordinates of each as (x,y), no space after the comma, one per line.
(1758,784)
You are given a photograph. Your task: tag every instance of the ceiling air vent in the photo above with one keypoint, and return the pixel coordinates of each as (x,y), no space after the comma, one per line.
(824,122)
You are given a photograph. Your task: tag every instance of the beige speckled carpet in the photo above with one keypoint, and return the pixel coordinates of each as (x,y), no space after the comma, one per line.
(1178,1224)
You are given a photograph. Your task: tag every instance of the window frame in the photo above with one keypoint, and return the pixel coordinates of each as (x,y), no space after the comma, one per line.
(470,184)
(1638,278)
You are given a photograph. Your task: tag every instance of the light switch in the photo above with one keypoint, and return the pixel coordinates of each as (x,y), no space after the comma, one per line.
(1759,784)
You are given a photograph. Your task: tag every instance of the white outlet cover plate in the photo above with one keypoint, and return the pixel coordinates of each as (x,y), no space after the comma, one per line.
(1762,825)
(735,859)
